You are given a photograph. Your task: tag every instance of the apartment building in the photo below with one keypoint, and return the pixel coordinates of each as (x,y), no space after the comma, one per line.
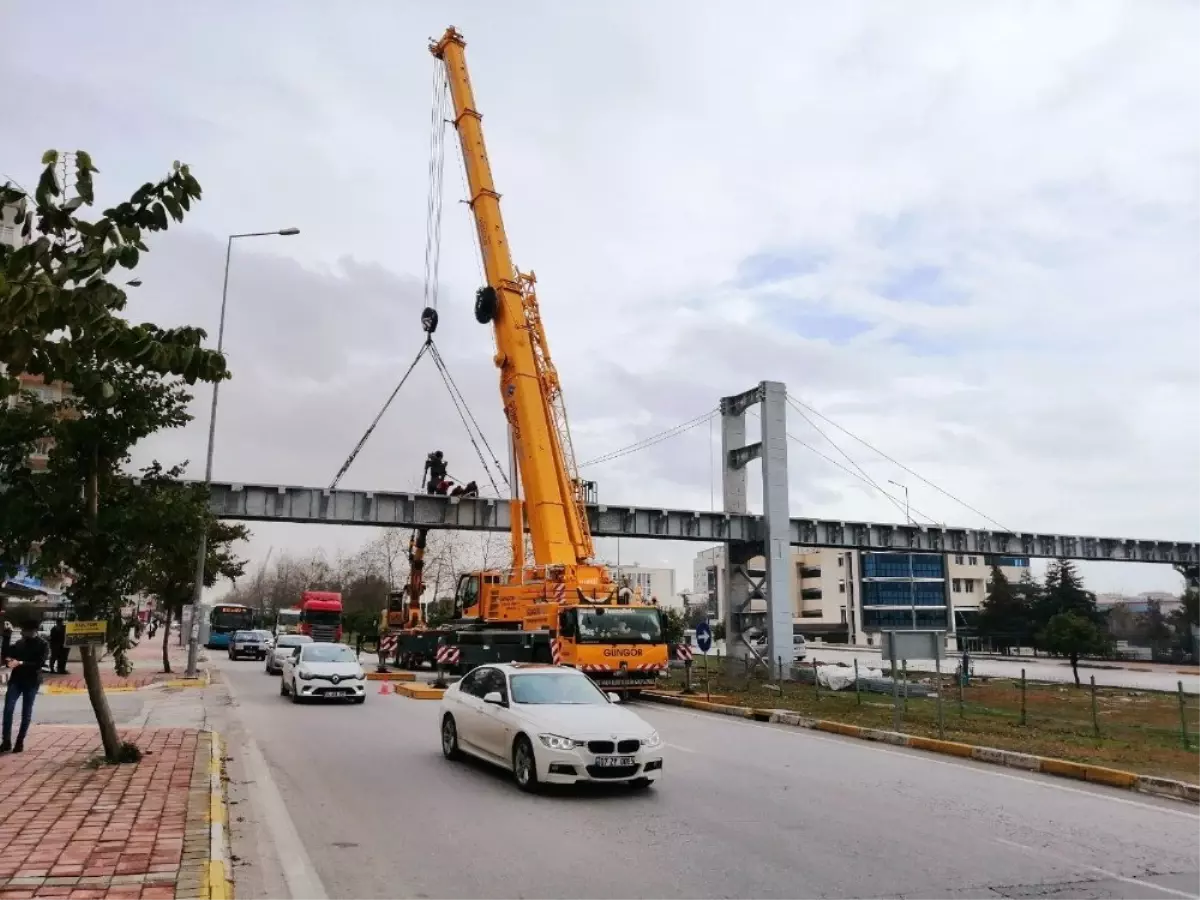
(850,596)
(655,583)
(10,233)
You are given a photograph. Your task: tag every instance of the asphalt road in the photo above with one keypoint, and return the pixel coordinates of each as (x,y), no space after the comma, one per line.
(356,801)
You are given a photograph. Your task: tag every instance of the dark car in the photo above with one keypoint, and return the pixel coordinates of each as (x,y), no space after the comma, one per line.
(248,644)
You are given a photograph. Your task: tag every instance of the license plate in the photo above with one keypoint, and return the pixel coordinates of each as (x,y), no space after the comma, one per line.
(337,693)
(613,762)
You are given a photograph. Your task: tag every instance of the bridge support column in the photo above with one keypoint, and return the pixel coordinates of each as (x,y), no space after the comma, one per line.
(747,589)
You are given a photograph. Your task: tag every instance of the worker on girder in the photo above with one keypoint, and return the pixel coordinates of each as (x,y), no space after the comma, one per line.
(435,472)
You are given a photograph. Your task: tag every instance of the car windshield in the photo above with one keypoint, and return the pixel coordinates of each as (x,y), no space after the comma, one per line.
(263,635)
(556,687)
(620,625)
(327,653)
(249,637)
(294,640)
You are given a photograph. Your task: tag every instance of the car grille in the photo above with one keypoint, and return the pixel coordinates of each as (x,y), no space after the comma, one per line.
(601,747)
(630,746)
(612,771)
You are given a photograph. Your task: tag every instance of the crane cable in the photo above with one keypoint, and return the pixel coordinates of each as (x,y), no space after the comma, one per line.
(465,414)
(433,204)
(371,428)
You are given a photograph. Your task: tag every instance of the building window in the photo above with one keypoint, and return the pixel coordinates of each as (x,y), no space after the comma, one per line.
(970,585)
(841,560)
(956,584)
(1013,562)
(876,619)
(958,560)
(897,565)
(842,586)
(972,560)
(903,593)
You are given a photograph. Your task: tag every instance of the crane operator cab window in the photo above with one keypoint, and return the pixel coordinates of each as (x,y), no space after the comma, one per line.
(468,594)
(618,625)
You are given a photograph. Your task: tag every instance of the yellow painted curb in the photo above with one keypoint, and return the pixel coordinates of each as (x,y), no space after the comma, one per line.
(839,728)
(951,748)
(1063,767)
(218,880)
(216,886)
(1114,777)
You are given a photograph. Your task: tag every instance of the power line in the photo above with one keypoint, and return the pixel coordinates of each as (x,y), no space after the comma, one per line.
(652,440)
(797,403)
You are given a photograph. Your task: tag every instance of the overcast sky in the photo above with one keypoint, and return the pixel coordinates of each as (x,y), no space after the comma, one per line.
(966,232)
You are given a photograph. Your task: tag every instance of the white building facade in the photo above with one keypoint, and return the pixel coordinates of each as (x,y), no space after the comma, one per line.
(653,584)
(849,596)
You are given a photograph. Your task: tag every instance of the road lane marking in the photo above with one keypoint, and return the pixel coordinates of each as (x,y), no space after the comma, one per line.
(1038,851)
(684,749)
(981,768)
(297,867)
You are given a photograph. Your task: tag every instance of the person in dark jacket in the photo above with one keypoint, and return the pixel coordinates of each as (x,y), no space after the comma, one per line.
(58,648)
(30,654)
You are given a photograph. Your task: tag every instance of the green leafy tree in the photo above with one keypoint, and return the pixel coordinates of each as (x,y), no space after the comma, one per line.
(1073,635)
(60,318)
(1184,619)
(167,568)
(1004,616)
(674,624)
(1153,629)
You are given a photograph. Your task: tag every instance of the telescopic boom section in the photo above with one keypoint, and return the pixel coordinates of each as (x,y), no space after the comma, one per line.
(529,386)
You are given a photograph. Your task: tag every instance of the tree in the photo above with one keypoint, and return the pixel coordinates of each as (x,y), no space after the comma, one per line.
(60,319)
(1004,616)
(1184,619)
(1073,635)
(674,624)
(1153,630)
(1062,592)
(167,569)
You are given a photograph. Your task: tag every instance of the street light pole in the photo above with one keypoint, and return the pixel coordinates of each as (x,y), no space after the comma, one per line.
(912,583)
(202,550)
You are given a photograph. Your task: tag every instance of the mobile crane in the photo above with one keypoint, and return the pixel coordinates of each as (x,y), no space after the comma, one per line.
(564,598)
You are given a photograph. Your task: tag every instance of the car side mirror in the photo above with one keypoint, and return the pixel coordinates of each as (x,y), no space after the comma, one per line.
(613,698)
(494,697)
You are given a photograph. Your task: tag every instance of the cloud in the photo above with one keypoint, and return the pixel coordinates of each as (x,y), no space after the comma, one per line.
(968,234)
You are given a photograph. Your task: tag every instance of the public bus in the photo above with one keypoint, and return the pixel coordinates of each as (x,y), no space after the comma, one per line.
(223,620)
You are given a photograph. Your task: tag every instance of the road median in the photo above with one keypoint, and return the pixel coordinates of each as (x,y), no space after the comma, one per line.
(1145,784)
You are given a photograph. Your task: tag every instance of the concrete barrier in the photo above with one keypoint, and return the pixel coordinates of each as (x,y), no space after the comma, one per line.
(1062,768)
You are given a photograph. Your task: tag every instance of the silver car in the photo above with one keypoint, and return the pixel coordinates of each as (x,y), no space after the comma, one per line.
(284,647)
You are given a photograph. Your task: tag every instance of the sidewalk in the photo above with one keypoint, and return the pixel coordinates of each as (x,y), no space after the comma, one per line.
(129,831)
(147,669)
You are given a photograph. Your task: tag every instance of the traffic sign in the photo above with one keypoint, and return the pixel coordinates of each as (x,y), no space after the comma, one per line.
(704,637)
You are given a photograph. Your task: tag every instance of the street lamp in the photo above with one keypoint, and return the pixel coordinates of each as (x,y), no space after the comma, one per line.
(202,550)
(912,584)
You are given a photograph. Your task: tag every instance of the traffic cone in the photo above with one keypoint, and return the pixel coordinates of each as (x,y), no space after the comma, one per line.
(385,687)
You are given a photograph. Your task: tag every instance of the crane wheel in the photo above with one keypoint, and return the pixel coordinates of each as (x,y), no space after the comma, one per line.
(485,305)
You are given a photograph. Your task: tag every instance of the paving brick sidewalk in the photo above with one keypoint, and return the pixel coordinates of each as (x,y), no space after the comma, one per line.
(129,831)
(147,669)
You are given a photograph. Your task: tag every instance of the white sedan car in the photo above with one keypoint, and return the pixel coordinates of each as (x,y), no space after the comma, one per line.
(548,724)
(320,671)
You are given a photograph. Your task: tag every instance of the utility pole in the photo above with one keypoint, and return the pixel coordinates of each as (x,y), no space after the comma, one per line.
(202,550)
(912,583)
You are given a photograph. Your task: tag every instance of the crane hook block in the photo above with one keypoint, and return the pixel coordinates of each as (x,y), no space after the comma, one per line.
(429,319)
(485,304)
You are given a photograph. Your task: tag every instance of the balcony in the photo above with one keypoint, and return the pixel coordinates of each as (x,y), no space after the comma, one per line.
(810,571)
(810,594)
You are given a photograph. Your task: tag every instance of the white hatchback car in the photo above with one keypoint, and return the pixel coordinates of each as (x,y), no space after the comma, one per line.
(320,671)
(548,724)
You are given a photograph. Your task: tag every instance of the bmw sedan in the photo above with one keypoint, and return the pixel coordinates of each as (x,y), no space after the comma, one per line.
(548,725)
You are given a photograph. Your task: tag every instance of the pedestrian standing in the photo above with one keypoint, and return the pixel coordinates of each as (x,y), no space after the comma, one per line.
(30,654)
(58,648)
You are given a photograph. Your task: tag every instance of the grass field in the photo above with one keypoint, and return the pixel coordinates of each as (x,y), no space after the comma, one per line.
(1139,731)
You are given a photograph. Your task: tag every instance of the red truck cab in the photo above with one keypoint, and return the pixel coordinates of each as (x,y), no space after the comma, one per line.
(321,615)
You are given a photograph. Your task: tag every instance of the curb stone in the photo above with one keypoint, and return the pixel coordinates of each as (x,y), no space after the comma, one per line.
(1143,784)
(218,874)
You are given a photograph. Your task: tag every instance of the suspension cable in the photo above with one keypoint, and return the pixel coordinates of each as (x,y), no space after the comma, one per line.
(646,443)
(371,428)
(796,404)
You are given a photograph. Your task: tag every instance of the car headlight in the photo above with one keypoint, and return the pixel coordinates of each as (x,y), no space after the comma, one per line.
(361,674)
(557,742)
(652,742)
(306,676)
